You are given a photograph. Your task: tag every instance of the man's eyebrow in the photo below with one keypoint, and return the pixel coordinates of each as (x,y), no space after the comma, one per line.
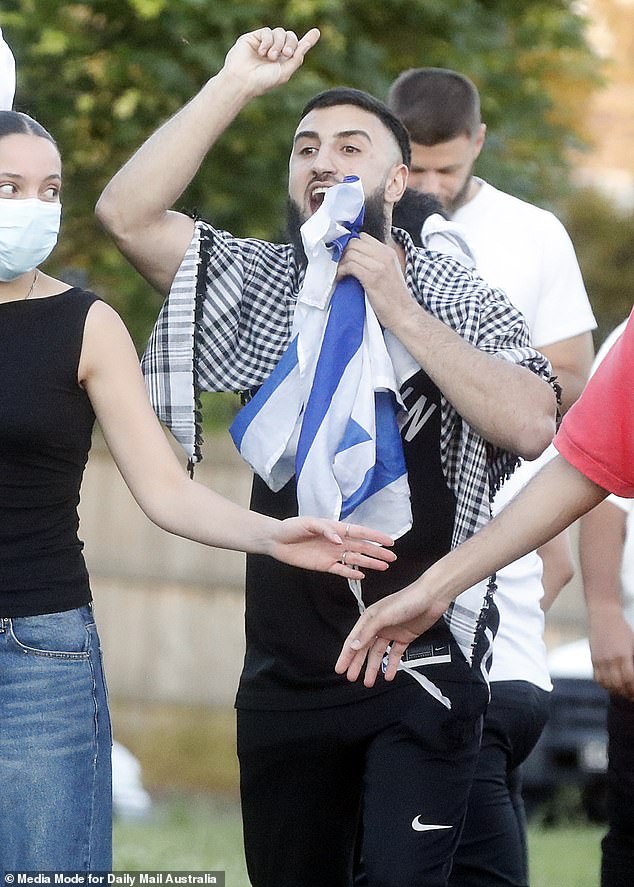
(348,133)
(305,134)
(344,134)
(420,167)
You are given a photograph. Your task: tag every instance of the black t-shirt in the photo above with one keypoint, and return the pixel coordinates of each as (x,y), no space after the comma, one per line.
(296,621)
(46,422)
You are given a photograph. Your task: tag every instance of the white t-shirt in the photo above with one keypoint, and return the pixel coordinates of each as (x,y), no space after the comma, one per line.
(527,252)
(627,505)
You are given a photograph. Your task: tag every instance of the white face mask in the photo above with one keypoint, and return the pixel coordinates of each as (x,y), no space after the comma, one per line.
(28,233)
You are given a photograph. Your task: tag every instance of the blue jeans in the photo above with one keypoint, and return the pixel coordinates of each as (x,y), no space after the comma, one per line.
(55,745)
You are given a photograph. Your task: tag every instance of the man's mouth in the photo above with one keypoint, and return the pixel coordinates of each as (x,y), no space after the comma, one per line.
(316,197)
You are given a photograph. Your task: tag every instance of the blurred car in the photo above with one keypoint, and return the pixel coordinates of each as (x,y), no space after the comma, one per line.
(572,750)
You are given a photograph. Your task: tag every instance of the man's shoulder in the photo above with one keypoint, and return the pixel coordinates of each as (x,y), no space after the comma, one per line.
(507,208)
(451,291)
(249,268)
(247,245)
(436,271)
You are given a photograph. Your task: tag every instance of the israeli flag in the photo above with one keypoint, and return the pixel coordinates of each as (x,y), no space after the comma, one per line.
(328,412)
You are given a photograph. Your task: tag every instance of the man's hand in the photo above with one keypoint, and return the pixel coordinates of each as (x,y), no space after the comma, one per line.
(268,57)
(612,647)
(377,268)
(469,377)
(135,205)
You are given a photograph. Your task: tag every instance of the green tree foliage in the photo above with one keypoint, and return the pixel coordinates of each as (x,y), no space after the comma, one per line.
(102,75)
(604,240)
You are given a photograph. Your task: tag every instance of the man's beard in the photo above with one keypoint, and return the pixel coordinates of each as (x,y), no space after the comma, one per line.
(460,198)
(375,221)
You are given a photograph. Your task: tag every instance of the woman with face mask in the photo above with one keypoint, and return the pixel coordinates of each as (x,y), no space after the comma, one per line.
(65,357)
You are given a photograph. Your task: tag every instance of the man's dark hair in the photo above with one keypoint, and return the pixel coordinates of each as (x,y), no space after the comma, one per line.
(412,210)
(16,123)
(435,104)
(343,95)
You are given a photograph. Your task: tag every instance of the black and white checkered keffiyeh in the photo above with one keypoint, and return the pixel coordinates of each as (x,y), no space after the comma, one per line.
(227,321)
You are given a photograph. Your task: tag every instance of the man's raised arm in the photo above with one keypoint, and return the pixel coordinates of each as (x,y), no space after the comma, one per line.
(135,205)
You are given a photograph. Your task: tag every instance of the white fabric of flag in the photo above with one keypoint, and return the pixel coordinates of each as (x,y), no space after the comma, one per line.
(328,412)
(7,75)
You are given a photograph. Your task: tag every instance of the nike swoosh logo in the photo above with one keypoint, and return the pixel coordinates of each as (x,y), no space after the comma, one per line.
(419,826)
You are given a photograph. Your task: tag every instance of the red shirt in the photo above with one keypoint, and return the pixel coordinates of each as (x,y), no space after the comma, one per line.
(597,433)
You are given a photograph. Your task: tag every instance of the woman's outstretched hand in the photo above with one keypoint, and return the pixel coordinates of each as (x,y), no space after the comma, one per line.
(331,546)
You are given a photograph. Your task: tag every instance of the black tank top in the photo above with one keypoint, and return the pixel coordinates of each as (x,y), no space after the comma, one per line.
(46,422)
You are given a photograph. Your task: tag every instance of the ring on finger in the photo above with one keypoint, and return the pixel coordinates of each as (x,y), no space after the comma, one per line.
(343,557)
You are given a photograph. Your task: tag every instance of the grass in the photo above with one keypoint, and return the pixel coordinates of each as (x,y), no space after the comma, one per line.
(203,833)
(566,856)
(187,833)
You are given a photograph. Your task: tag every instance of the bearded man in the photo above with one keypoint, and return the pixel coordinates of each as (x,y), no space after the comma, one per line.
(318,753)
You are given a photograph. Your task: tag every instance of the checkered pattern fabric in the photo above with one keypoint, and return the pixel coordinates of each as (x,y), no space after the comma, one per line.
(228,320)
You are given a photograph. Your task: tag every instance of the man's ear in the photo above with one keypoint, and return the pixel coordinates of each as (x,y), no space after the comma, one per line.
(396,184)
(478,141)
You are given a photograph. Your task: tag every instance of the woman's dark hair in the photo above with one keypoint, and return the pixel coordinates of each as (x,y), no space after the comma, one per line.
(17,123)
(343,95)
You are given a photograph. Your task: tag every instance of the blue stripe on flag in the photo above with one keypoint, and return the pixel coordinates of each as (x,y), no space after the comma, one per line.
(353,435)
(390,459)
(249,411)
(342,339)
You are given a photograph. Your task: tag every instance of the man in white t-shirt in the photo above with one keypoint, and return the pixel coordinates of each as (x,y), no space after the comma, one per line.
(527,252)
(606,549)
